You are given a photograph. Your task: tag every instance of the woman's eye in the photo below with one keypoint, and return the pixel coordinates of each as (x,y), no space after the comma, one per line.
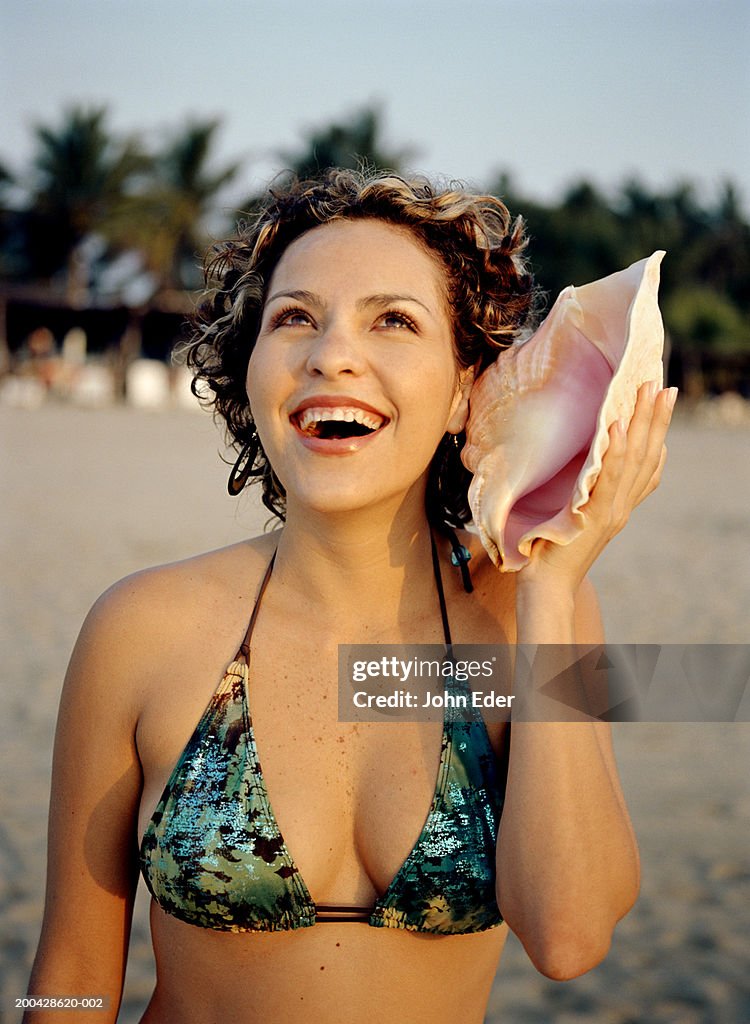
(290,318)
(397,320)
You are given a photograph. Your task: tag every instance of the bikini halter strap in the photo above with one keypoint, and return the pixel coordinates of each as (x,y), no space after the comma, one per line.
(245,646)
(441,593)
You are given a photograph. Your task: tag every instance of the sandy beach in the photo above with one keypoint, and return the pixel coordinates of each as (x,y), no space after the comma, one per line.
(89,496)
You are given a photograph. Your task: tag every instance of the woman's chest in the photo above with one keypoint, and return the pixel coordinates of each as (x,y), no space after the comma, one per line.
(349,799)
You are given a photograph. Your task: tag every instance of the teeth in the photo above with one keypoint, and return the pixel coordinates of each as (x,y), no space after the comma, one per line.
(346,414)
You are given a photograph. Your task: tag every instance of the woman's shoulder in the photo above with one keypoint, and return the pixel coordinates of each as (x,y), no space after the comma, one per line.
(152,616)
(202,576)
(487,613)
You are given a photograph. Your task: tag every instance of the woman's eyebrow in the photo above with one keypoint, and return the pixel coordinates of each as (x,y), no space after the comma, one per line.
(385,298)
(300,295)
(378,299)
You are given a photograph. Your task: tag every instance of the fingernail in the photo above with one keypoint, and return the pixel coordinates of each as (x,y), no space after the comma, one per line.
(621,426)
(671,398)
(651,388)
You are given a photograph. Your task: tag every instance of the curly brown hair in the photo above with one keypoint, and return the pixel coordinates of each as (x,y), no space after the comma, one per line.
(490,296)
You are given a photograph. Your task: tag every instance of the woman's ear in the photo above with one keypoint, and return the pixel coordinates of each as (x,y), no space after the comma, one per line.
(460,408)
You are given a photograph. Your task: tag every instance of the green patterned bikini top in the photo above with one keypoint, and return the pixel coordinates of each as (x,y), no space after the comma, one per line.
(212,854)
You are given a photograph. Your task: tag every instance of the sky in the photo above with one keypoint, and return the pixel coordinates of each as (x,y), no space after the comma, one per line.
(548,91)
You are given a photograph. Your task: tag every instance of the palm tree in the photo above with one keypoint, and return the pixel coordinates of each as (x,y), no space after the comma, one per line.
(9,223)
(165,221)
(79,176)
(351,143)
(6,178)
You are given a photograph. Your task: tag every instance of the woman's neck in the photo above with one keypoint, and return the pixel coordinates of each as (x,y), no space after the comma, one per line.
(358,564)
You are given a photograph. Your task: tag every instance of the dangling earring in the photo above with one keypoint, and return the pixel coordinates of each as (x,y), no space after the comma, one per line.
(242,470)
(456,441)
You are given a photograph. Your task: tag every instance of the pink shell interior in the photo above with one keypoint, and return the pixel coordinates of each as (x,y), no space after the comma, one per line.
(540,414)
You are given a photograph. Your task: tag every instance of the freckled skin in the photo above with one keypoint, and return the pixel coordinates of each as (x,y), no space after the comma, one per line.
(310,816)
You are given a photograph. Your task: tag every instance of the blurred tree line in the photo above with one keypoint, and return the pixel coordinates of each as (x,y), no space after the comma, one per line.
(94,212)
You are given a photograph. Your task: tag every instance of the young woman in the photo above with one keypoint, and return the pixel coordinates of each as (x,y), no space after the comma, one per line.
(340,343)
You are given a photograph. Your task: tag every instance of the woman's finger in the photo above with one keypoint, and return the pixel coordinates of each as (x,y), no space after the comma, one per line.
(653,456)
(632,464)
(655,479)
(640,431)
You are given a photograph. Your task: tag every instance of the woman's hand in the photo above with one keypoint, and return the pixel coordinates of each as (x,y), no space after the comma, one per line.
(631,470)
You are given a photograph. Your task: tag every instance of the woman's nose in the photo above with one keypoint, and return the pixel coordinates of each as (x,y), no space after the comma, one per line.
(335,351)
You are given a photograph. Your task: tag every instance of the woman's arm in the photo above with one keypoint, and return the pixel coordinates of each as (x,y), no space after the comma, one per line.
(568,866)
(96,784)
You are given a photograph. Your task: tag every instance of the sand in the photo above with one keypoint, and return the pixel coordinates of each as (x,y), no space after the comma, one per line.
(89,496)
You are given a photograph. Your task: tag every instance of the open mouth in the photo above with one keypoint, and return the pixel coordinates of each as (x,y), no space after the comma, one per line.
(338,423)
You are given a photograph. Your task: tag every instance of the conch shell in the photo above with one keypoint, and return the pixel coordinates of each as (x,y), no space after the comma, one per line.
(540,414)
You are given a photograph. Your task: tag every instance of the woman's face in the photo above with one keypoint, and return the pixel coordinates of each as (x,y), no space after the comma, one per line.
(353,379)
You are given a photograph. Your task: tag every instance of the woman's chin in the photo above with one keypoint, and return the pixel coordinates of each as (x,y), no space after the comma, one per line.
(332,504)
(353,498)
